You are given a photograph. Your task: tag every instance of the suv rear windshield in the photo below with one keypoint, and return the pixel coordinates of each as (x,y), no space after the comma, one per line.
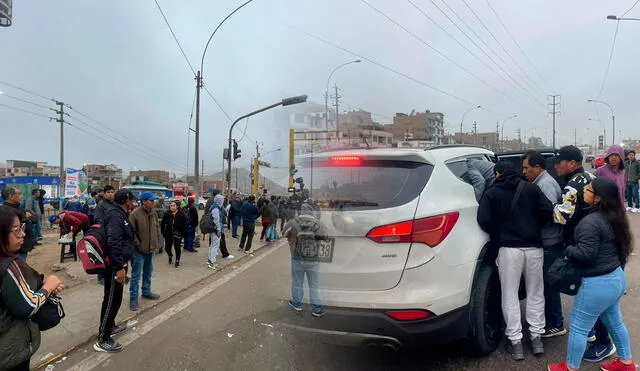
(369,186)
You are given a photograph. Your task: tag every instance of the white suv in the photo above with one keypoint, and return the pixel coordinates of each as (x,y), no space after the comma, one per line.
(406,262)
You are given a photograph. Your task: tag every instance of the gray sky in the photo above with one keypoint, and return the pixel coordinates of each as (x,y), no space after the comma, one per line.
(117,62)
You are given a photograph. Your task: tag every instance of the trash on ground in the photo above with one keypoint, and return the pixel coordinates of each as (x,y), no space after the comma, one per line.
(267,325)
(132,323)
(229,335)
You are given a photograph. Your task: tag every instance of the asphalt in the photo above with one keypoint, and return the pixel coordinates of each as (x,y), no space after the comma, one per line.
(233,321)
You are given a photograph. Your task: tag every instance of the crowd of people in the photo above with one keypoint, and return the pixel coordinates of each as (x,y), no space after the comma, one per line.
(533,222)
(535,225)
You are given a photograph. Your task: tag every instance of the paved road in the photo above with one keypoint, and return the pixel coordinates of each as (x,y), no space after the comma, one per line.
(233,323)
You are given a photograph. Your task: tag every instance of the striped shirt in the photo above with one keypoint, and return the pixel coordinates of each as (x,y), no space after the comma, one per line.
(18,290)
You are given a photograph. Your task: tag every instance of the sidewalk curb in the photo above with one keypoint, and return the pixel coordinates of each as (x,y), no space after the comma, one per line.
(92,337)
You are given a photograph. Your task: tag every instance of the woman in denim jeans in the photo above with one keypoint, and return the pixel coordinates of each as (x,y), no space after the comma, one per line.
(603,245)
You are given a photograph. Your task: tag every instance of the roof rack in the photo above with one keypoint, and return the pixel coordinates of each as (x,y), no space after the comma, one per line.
(443,146)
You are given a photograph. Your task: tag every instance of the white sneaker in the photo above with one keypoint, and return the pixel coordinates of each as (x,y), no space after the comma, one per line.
(230,257)
(212,265)
(635,210)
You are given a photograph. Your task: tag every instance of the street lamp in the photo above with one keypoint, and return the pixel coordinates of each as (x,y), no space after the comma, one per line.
(199,84)
(615,18)
(326,96)
(285,102)
(613,117)
(503,122)
(463,116)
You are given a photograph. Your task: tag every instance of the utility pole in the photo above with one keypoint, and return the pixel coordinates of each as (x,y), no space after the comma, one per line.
(337,104)
(60,119)
(197,132)
(575,137)
(198,186)
(520,138)
(497,136)
(236,178)
(555,105)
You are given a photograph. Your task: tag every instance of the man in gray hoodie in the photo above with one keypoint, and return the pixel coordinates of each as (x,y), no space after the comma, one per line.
(534,169)
(480,175)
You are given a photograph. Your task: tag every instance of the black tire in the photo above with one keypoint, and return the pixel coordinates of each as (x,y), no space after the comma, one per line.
(487,324)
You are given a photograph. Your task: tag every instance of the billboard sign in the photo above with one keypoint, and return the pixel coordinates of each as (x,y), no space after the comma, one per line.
(75,183)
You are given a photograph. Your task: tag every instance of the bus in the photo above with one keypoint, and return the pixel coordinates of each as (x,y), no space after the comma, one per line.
(158,189)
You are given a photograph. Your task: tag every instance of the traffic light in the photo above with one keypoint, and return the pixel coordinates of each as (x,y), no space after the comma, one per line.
(600,141)
(236,150)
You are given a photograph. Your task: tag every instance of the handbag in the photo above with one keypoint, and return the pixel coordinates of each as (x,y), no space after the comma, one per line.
(272,233)
(50,313)
(564,277)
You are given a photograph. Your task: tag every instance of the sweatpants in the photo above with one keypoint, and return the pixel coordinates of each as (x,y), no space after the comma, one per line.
(111,302)
(513,263)
(213,248)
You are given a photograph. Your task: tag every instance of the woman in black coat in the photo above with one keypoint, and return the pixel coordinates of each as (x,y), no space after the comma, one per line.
(173,227)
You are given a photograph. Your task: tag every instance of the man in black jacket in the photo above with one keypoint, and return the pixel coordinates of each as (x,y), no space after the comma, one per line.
(512,211)
(120,249)
(13,198)
(104,205)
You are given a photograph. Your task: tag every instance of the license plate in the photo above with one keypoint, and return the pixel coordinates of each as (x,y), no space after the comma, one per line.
(325,251)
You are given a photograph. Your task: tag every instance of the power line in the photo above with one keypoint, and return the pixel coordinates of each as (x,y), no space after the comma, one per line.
(630,9)
(175,37)
(396,72)
(217,103)
(25,90)
(189,130)
(606,72)
(486,45)
(535,85)
(117,144)
(444,55)
(522,90)
(24,101)
(24,110)
(518,44)
(141,148)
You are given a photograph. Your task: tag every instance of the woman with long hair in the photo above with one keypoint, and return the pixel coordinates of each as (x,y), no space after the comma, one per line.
(602,248)
(173,228)
(22,294)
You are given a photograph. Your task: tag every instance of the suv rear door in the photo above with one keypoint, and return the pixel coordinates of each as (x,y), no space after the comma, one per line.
(363,200)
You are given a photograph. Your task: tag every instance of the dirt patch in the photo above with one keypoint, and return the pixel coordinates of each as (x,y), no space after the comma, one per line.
(46,260)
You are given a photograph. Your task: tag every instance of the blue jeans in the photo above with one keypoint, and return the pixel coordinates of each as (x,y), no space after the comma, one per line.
(142,265)
(190,238)
(598,297)
(37,231)
(552,301)
(298,270)
(235,222)
(633,199)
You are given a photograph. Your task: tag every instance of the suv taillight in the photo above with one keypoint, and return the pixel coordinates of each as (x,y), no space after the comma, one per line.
(430,231)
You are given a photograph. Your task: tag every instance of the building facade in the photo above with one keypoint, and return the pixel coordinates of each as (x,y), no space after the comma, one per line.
(29,168)
(6,13)
(427,126)
(99,176)
(158,176)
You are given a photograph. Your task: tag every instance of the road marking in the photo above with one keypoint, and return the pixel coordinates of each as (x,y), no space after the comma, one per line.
(96,359)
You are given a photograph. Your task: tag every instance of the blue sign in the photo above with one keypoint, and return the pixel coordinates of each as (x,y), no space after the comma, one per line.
(39,180)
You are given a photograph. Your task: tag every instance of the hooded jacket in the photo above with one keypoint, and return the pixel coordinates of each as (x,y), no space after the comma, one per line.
(595,251)
(613,174)
(480,175)
(305,222)
(217,212)
(101,210)
(521,227)
(269,211)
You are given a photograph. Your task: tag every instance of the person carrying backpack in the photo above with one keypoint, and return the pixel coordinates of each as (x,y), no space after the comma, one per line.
(304,234)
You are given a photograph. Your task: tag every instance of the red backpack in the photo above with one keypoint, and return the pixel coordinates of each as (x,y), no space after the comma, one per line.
(91,250)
